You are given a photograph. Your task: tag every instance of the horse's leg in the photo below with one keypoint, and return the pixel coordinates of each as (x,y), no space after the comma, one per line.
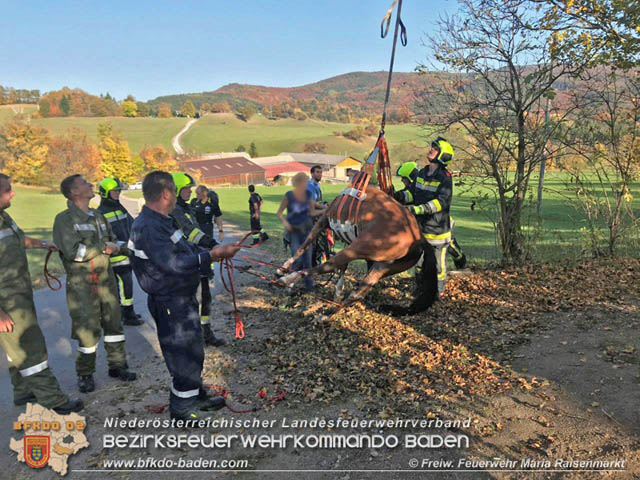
(376,272)
(322,223)
(339,261)
(340,283)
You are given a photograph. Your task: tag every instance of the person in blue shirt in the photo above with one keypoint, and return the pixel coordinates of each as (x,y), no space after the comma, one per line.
(300,208)
(168,268)
(314,184)
(313,187)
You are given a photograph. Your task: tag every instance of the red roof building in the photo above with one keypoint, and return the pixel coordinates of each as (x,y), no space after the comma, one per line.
(236,170)
(287,169)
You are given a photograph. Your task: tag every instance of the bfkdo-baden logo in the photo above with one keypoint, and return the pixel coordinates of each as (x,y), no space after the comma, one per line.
(36,450)
(49,438)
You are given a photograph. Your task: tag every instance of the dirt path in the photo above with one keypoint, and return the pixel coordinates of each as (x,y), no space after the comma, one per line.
(175,141)
(561,385)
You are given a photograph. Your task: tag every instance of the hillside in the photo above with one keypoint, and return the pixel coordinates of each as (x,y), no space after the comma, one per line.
(225,132)
(363,91)
(138,132)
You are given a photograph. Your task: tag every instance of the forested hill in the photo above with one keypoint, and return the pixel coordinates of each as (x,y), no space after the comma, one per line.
(360,93)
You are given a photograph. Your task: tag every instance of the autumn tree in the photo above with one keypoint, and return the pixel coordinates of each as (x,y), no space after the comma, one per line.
(158,158)
(506,74)
(602,31)
(245,112)
(188,109)
(69,154)
(44,107)
(220,107)
(205,107)
(314,147)
(23,151)
(164,110)
(129,108)
(115,157)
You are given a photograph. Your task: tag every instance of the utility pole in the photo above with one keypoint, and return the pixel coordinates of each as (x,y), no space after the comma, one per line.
(543,164)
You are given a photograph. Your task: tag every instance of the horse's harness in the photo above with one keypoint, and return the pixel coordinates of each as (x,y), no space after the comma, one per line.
(351,198)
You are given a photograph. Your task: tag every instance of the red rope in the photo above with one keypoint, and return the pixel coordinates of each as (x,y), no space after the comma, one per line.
(224,392)
(227,266)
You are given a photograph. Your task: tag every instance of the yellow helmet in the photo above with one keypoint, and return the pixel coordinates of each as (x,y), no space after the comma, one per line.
(445,151)
(109,184)
(183,180)
(406,170)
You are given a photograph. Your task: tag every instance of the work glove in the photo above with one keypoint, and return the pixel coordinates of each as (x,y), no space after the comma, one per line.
(415,209)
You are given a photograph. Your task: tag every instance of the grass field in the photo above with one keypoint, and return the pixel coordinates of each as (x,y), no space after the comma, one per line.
(225,132)
(34,210)
(556,236)
(139,132)
(8,112)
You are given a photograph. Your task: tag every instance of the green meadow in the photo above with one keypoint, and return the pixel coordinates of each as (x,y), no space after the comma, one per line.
(556,235)
(225,132)
(138,132)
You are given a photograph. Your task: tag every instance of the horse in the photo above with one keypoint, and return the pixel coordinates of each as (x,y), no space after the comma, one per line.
(383,233)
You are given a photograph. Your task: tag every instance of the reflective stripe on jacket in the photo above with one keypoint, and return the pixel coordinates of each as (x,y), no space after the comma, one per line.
(164,262)
(82,237)
(432,196)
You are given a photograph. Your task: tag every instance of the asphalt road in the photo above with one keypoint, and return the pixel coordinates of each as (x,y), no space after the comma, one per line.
(54,319)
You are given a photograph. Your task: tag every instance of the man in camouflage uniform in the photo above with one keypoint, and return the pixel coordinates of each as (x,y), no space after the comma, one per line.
(86,241)
(186,220)
(20,334)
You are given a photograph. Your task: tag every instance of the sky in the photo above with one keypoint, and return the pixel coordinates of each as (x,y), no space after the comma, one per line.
(153,48)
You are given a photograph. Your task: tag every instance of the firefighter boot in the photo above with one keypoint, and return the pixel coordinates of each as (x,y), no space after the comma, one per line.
(129,317)
(86,383)
(210,338)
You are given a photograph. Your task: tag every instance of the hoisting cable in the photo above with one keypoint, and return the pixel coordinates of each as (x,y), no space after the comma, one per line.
(384,30)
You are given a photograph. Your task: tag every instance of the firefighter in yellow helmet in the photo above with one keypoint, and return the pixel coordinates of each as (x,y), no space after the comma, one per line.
(408,172)
(186,220)
(431,192)
(120,221)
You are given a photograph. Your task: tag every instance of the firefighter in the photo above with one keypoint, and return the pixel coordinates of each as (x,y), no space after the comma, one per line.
(120,221)
(408,172)
(20,334)
(206,208)
(86,242)
(186,219)
(255,208)
(432,190)
(168,268)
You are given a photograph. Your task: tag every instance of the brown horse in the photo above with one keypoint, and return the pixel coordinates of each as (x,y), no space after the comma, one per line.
(385,234)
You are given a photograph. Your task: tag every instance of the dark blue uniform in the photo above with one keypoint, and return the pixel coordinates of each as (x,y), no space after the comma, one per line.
(168,268)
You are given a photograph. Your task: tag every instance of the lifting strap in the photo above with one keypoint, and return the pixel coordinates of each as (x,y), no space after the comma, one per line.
(352,197)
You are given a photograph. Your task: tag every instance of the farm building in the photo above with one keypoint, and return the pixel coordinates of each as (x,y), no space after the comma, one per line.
(288,169)
(266,161)
(333,166)
(232,170)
